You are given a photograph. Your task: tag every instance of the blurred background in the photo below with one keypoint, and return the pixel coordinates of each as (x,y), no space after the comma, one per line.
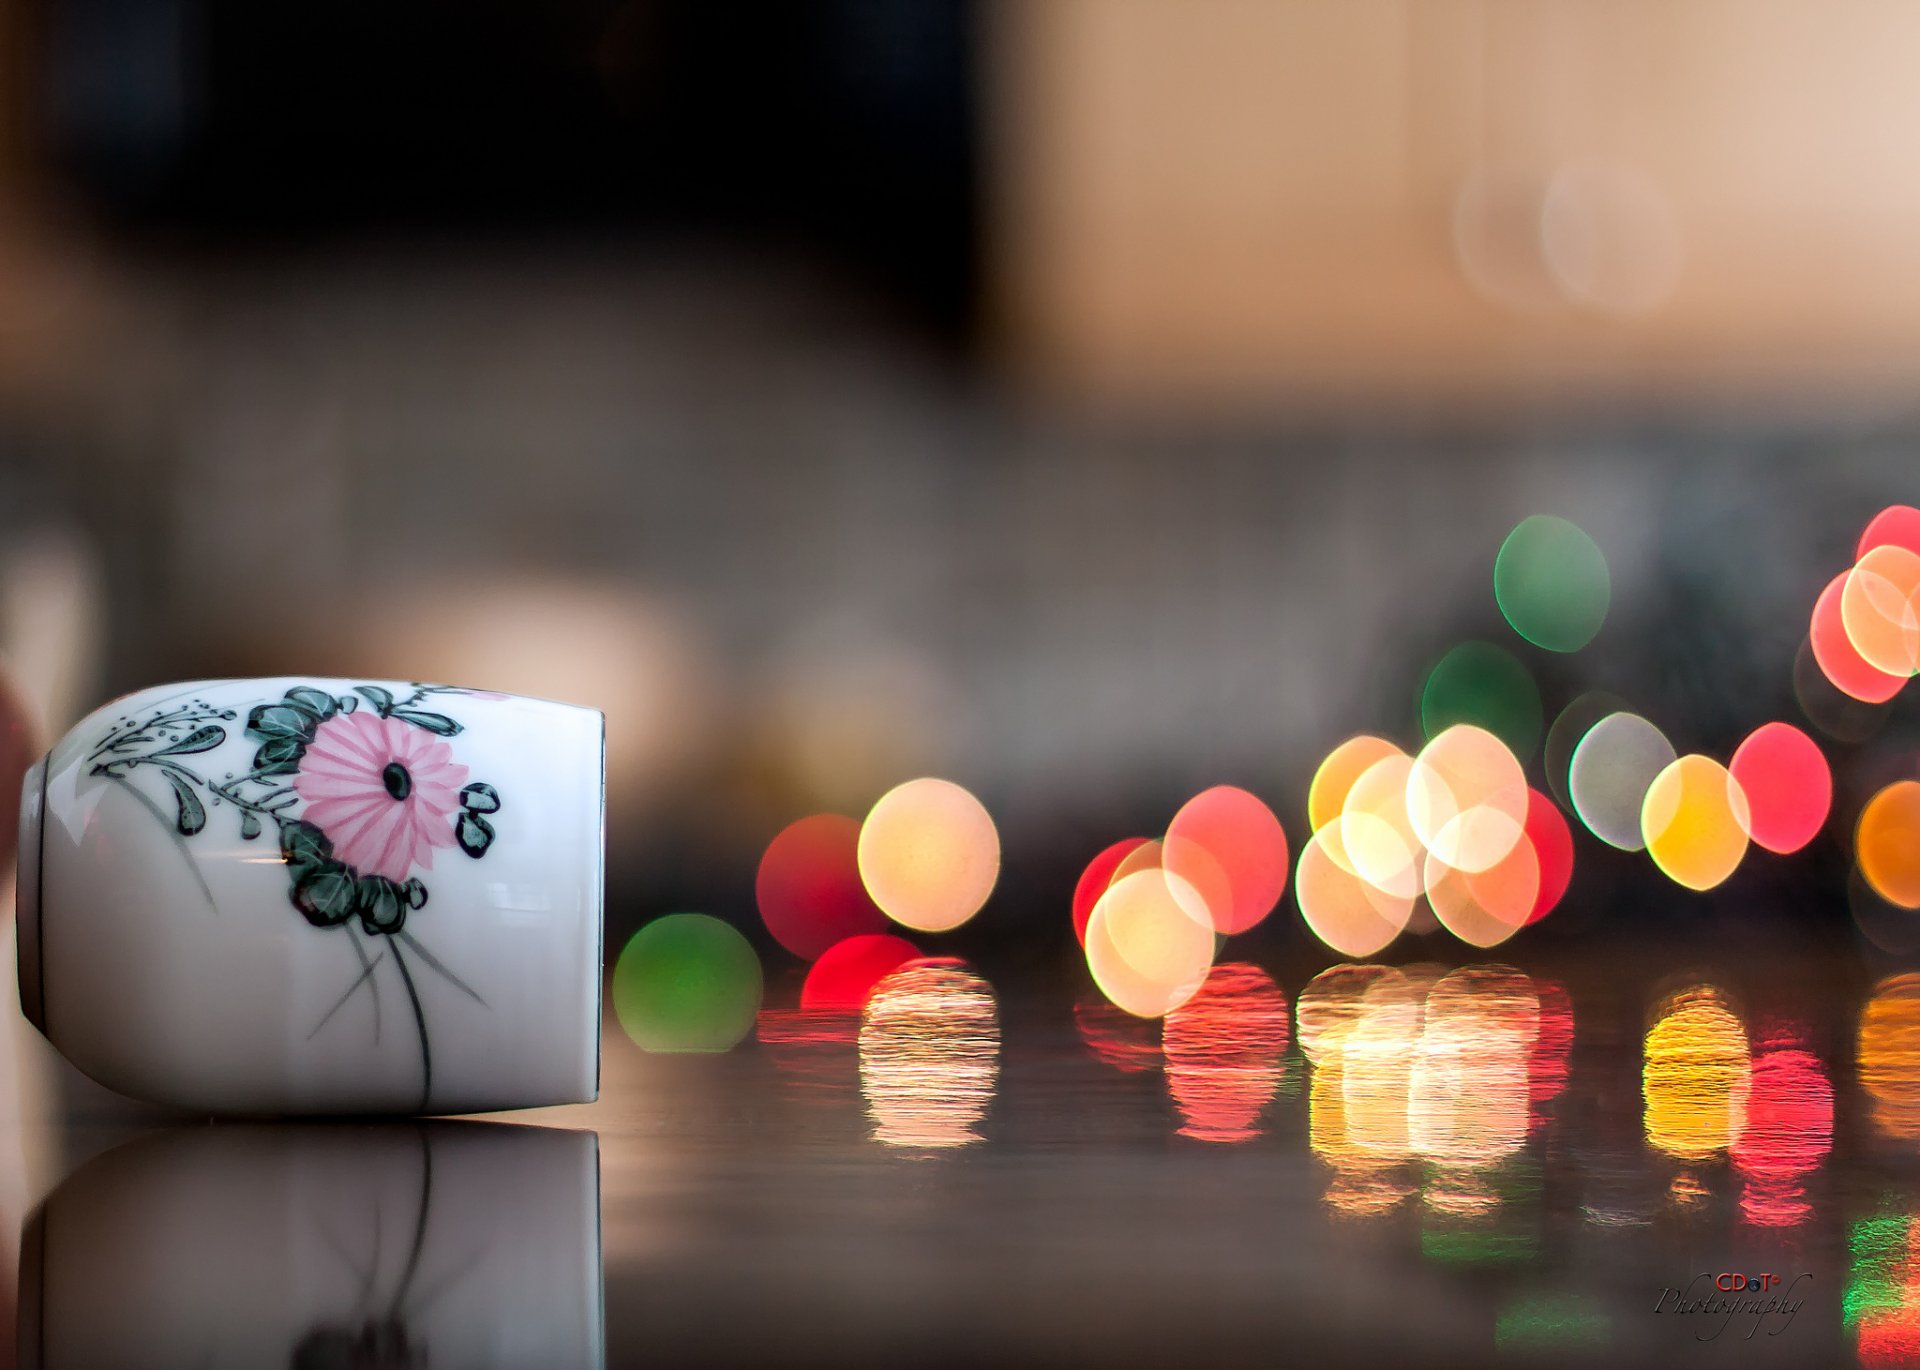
(1087,400)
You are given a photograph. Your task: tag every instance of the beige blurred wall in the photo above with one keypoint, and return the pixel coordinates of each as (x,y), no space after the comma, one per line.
(1244,200)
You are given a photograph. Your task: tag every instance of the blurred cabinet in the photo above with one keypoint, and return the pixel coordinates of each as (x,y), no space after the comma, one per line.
(1250,200)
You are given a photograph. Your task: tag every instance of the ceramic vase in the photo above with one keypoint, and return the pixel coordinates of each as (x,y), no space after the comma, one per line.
(309,896)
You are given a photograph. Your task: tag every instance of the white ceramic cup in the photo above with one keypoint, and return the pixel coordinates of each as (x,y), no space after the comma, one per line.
(320,1245)
(297,896)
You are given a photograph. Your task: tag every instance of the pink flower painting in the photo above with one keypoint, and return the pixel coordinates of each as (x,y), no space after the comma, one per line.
(383,791)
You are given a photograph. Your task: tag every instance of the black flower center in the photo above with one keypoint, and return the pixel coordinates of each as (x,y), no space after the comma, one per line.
(399,784)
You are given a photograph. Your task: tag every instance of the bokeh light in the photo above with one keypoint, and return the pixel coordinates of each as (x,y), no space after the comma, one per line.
(929,855)
(1551,582)
(1887,1055)
(1898,525)
(1787,786)
(1880,609)
(1147,950)
(1327,795)
(1552,841)
(1094,880)
(1837,714)
(686,983)
(929,1055)
(1569,726)
(1612,769)
(1696,1076)
(1886,844)
(1375,837)
(1485,908)
(1695,822)
(1224,1052)
(1485,685)
(1341,908)
(1227,844)
(808,886)
(1839,660)
(843,977)
(1467,799)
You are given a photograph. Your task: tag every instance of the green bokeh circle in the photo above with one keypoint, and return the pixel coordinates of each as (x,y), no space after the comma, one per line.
(687,982)
(1551,582)
(1479,683)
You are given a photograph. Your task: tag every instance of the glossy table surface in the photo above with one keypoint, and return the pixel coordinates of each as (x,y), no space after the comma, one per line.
(1457,1164)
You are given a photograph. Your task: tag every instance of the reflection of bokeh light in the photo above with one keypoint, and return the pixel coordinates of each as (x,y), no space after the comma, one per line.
(1839,660)
(1880,609)
(809,889)
(1117,1037)
(1331,1001)
(686,982)
(1882,1298)
(1375,838)
(1611,772)
(1551,582)
(1405,1070)
(1227,844)
(1788,1133)
(1327,796)
(1340,908)
(1887,843)
(1467,799)
(1094,880)
(1898,525)
(929,855)
(1788,788)
(1888,1055)
(1696,1076)
(1695,822)
(1468,1102)
(929,1055)
(1358,1024)
(1552,1045)
(1485,685)
(1147,950)
(1550,1327)
(1552,842)
(842,979)
(1224,1050)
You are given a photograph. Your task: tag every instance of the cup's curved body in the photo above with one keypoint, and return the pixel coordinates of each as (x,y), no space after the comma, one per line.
(320,1245)
(304,896)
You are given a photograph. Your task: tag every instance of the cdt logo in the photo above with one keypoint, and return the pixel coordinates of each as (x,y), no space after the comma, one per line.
(1719,1299)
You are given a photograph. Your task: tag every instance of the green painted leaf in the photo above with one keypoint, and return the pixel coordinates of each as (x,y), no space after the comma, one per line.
(479,798)
(303,845)
(317,702)
(193,814)
(283,720)
(381,904)
(382,700)
(348,704)
(279,756)
(325,897)
(249,826)
(474,834)
(433,723)
(200,740)
(416,893)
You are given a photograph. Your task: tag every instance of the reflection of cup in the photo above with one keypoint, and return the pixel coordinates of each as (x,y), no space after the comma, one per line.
(310,896)
(396,1244)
